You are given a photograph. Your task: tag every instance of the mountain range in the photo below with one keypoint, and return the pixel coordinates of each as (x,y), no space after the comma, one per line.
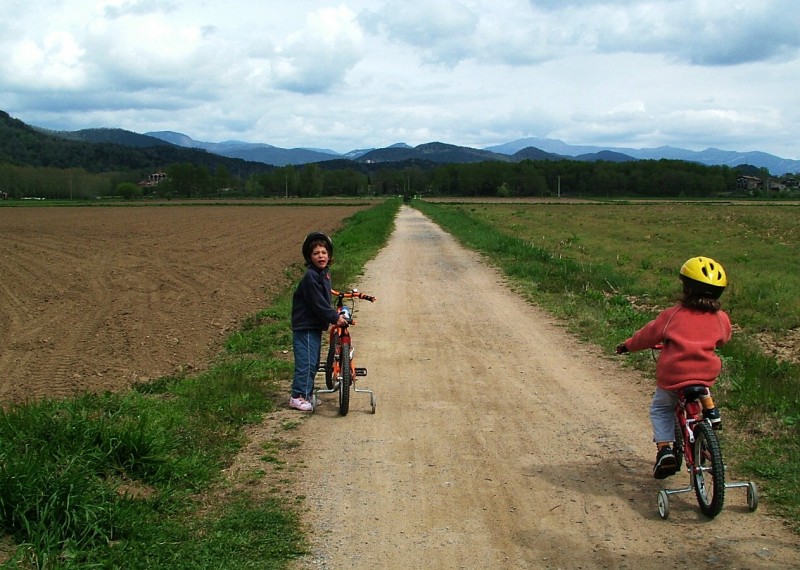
(521,149)
(428,153)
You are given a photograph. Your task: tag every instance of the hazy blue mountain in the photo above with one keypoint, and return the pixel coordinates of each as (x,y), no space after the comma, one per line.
(710,156)
(176,138)
(432,152)
(357,153)
(111,136)
(103,150)
(533,148)
(257,152)
(533,153)
(605,155)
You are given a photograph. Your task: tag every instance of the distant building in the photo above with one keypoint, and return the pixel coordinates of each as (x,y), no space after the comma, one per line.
(153,180)
(749,182)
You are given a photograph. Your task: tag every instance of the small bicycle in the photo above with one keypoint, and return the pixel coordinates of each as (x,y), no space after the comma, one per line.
(339,367)
(698,448)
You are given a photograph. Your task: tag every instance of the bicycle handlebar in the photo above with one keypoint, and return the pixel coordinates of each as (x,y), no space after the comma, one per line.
(353,294)
(622,349)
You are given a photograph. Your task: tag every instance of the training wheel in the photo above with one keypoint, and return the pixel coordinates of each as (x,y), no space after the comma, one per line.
(663,504)
(374,402)
(752,496)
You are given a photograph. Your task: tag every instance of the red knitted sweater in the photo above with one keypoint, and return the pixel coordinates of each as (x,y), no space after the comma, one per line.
(690,338)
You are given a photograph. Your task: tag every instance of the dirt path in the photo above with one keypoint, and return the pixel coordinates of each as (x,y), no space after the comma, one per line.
(499,441)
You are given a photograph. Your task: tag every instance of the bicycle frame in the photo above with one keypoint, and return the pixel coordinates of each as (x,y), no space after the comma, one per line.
(687,414)
(340,369)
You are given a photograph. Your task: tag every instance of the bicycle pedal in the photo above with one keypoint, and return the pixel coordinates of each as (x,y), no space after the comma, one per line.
(361,371)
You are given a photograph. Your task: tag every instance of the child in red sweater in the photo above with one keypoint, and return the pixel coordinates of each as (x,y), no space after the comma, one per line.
(689,332)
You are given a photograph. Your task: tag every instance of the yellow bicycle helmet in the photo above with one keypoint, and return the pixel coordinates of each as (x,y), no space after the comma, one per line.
(704,276)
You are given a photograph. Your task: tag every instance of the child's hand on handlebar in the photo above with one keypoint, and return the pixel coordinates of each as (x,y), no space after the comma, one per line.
(621,348)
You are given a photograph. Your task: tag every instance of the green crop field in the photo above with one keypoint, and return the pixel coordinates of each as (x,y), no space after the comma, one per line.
(607,268)
(646,244)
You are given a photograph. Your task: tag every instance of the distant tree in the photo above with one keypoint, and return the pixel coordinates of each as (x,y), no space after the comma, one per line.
(312,180)
(129,190)
(222,179)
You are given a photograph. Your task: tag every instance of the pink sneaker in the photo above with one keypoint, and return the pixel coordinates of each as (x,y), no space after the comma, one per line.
(301,404)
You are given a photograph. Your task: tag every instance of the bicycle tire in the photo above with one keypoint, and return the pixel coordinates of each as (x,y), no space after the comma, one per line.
(678,445)
(345,380)
(708,471)
(329,361)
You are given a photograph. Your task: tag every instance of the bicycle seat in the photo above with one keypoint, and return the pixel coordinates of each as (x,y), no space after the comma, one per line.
(692,393)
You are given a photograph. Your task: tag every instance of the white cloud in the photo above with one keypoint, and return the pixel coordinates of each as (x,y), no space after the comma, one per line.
(443,31)
(319,56)
(54,62)
(346,74)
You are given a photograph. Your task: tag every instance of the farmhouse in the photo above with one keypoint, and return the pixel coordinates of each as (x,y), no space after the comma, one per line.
(153,180)
(749,182)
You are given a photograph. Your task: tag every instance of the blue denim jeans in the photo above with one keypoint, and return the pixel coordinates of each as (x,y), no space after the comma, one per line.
(662,414)
(307,346)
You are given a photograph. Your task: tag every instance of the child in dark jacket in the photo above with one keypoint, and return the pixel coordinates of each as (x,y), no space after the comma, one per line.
(689,332)
(312,313)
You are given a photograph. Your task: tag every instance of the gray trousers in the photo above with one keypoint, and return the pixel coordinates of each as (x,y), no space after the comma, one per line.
(662,414)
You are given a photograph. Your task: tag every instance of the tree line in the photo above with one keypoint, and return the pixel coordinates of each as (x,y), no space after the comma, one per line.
(185,180)
(528,178)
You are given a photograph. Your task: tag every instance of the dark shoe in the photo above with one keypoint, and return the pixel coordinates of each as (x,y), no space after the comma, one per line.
(713,416)
(666,463)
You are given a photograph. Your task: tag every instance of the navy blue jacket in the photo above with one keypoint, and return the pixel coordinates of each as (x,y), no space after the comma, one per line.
(311,302)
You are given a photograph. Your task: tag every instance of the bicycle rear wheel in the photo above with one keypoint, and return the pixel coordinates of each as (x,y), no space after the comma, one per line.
(708,471)
(345,381)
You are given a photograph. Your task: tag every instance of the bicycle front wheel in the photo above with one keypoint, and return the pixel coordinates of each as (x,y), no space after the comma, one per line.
(332,347)
(345,380)
(708,470)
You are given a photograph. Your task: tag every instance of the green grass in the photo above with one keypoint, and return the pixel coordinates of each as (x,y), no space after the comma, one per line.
(645,243)
(121,480)
(606,269)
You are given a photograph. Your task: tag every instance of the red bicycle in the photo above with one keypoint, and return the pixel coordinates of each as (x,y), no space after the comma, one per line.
(697,447)
(339,368)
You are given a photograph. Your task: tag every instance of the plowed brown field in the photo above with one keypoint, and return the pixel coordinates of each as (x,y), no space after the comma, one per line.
(97,298)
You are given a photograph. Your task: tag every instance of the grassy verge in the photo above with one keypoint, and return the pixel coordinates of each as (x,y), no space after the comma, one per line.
(607,269)
(120,480)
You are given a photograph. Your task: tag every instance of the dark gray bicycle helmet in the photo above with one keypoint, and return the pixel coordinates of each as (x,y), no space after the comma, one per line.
(311,238)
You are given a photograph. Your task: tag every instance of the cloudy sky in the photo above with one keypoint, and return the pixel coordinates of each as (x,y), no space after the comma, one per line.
(349,74)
